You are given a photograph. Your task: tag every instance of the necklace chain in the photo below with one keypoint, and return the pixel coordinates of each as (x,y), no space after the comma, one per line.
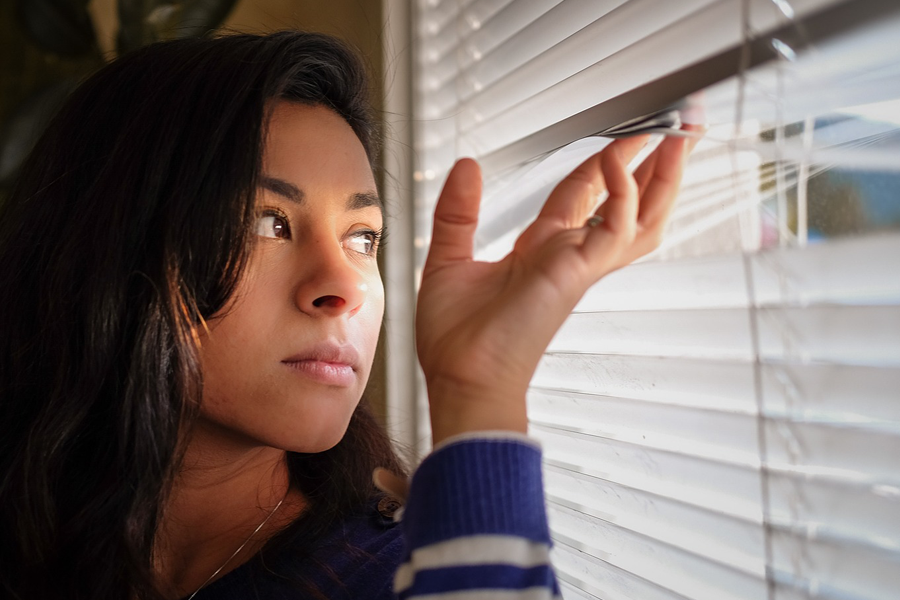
(241,547)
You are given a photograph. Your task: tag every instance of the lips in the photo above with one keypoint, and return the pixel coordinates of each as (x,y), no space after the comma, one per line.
(328,364)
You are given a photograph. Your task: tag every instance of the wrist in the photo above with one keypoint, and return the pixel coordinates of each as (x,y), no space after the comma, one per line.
(458,408)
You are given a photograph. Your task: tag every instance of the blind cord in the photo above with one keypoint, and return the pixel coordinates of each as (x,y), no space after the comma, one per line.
(746,35)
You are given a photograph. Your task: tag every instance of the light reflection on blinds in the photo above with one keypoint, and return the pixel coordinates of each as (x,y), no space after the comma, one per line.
(722,419)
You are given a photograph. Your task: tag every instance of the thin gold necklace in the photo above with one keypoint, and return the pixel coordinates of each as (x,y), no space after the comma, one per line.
(241,547)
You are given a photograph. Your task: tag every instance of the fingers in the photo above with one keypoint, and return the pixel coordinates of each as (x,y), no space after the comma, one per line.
(692,141)
(659,179)
(575,197)
(639,207)
(604,242)
(661,184)
(644,172)
(456,215)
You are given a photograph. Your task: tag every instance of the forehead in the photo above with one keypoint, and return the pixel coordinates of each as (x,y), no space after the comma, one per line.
(315,149)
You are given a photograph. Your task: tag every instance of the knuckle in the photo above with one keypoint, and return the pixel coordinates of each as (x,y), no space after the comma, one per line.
(456,218)
(624,236)
(579,183)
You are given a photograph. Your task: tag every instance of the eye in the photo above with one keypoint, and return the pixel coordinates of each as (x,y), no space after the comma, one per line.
(272,224)
(364,241)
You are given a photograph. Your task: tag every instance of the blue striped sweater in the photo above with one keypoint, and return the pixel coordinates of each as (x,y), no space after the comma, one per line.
(474,527)
(475,522)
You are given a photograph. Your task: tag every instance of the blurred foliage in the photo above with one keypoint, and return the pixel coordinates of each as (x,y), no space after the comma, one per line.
(48,46)
(145,21)
(836,206)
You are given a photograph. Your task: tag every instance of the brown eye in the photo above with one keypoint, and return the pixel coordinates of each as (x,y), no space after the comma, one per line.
(363,242)
(273,225)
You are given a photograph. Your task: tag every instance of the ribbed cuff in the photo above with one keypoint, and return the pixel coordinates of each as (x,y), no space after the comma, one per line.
(477,487)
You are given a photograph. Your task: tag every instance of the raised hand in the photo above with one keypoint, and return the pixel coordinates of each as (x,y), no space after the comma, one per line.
(481,327)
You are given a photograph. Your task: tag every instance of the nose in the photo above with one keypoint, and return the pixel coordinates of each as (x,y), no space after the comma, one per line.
(331,285)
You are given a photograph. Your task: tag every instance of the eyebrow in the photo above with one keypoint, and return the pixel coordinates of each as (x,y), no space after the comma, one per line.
(362,200)
(291,192)
(283,188)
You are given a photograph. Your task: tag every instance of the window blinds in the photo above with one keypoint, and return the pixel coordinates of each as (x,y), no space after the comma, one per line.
(722,419)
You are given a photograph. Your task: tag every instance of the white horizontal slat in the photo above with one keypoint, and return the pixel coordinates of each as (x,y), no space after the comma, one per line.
(570,592)
(839,570)
(817,446)
(711,333)
(832,394)
(852,271)
(830,453)
(807,449)
(703,283)
(816,392)
(667,566)
(534,101)
(800,508)
(834,508)
(441,33)
(716,535)
(717,192)
(498,59)
(577,54)
(834,451)
(725,484)
(493,23)
(437,23)
(787,587)
(797,536)
(829,571)
(588,46)
(655,424)
(828,80)
(825,273)
(724,385)
(866,335)
(600,579)
(491,123)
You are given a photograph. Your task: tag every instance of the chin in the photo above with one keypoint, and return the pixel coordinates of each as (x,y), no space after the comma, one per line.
(324,440)
(319,432)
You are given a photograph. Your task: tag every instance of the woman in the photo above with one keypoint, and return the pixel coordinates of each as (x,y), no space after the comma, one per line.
(191,306)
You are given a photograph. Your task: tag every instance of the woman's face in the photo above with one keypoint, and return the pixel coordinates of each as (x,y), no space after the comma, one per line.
(286,363)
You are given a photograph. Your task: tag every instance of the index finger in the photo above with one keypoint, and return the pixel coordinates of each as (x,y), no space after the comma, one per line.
(456,215)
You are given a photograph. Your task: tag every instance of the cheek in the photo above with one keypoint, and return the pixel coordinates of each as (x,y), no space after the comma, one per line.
(372,314)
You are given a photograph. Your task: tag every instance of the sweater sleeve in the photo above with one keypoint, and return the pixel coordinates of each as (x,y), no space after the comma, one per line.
(475,524)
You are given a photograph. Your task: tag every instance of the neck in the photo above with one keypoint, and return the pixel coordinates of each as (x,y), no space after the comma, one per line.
(225,489)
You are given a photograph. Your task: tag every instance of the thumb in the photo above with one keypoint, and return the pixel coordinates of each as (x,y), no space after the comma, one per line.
(456,215)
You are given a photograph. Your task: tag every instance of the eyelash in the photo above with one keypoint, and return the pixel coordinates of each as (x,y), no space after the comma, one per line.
(277,214)
(375,237)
